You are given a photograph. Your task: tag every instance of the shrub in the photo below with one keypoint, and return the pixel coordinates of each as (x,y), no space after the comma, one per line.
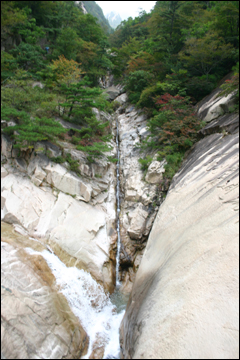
(135,83)
(173,131)
(58,159)
(145,162)
(74,164)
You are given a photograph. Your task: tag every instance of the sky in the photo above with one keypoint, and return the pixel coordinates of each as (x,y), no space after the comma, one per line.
(126,8)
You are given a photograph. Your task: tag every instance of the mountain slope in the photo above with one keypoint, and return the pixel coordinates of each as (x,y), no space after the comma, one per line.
(94,9)
(113,19)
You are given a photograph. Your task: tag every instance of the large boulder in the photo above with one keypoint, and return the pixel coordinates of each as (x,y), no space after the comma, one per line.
(37,321)
(155,172)
(138,222)
(112,92)
(60,178)
(6,146)
(213,106)
(121,99)
(185,298)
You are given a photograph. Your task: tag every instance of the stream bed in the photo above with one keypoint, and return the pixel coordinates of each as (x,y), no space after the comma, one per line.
(99,313)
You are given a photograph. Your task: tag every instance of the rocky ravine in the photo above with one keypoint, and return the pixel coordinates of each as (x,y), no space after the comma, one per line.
(75,215)
(140,196)
(185,300)
(44,201)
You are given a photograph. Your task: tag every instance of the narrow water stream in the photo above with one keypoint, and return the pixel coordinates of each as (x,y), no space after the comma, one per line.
(118,209)
(97,313)
(100,314)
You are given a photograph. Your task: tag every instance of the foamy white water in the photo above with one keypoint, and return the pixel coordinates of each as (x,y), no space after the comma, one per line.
(89,303)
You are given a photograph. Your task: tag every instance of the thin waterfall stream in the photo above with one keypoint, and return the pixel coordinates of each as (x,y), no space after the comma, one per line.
(118,209)
(99,313)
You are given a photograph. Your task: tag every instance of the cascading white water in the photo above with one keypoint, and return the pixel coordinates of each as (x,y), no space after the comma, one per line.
(97,314)
(118,208)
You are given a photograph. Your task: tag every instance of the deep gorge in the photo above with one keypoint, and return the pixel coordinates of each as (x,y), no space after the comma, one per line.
(119,181)
(121,225)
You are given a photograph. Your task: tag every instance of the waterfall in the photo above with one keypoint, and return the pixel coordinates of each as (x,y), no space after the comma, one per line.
(118,209)
(88,301)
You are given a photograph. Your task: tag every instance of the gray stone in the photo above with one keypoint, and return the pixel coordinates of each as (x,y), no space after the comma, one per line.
(3,159)
(40,147)
(4,124)
(40,160)
(39,176)
(155,172)
(6,146)
(4,172)
(227,122)
(121,99)
(138,222)
(187,282)
(58,176)
(39,84)
(36,320)
(112,92)
(15,153)
(21,164)
(53,150)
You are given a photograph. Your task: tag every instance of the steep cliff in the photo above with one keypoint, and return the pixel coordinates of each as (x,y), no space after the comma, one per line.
(184,302)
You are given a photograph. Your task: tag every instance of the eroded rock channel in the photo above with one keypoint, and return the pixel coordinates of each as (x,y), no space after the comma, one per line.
(75,238)
(67,241)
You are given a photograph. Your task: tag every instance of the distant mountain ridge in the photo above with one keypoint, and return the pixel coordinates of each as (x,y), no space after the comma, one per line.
(94,9)
(114,19)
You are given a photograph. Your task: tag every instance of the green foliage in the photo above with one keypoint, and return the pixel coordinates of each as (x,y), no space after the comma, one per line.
(178,35)
(11,17)
(112,159)
(74,164)
(95,150)
(204,54)
(8,65)
(135,83)
(80,99)
(66,44)
(145,162)
(29,57)
(231,85)
(18,93)
(58,159)
(29,130)
(173,164)
(173,131)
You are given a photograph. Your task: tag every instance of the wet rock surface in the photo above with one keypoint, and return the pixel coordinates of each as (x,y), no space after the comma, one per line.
(44,198)
(36,320)
(139,199)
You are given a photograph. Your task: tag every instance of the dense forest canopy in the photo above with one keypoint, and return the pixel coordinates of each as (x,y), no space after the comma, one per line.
(167,60)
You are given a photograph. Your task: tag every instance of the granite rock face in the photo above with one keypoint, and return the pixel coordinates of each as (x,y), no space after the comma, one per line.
(36,320)
(185,303)
(139,199)
(76,230)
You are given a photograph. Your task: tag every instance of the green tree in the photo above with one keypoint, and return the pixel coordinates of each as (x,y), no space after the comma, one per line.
(136,82)
(66,44)
(29,130)
(80,99)
(11,17)
(226,20)
(204,54)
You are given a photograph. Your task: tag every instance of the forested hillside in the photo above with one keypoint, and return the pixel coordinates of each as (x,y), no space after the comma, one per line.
(94,9)
(167,60)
